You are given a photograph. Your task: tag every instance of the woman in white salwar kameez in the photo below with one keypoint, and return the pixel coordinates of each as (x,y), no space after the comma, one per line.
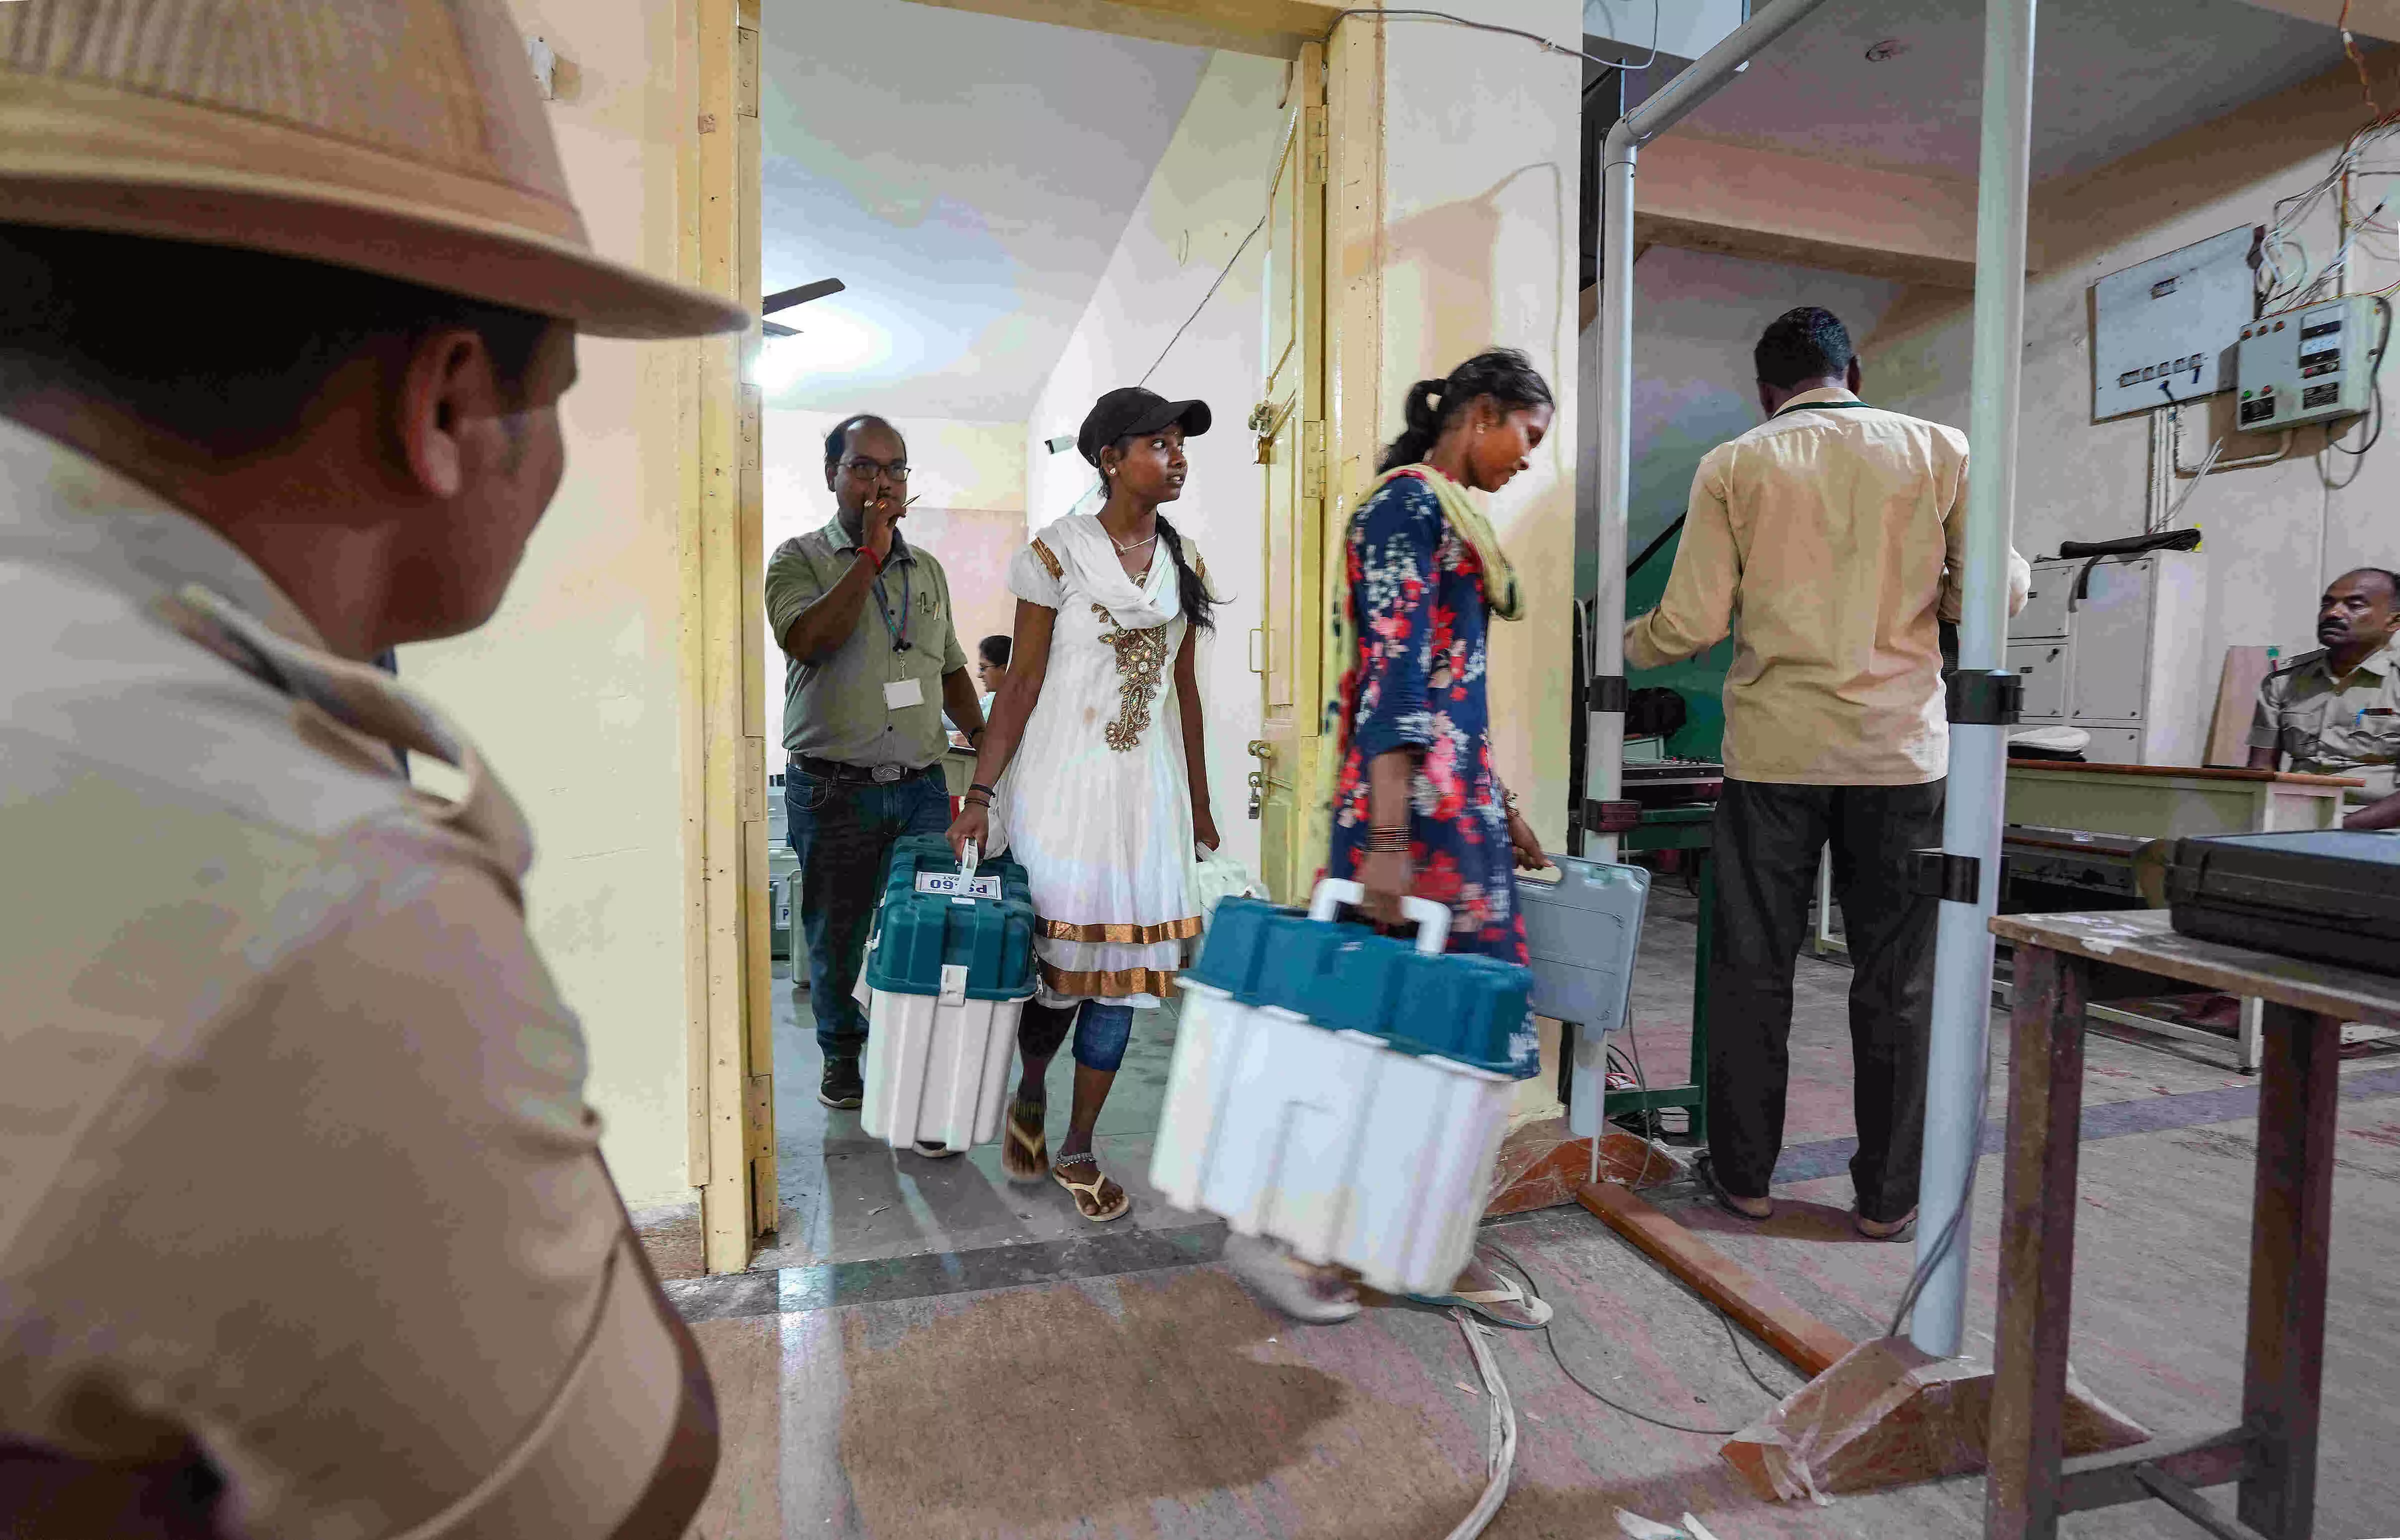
(1092,775)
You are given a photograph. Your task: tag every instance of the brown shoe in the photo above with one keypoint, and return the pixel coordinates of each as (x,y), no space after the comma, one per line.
(1877,1230)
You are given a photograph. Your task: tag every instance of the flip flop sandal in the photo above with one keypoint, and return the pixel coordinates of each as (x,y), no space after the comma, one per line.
(1482,1301)
(1903,1229)
(1023,1154)
(1087,1193)
(1707,1171)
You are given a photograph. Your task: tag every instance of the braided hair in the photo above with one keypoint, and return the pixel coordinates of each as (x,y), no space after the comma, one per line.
(1503,374)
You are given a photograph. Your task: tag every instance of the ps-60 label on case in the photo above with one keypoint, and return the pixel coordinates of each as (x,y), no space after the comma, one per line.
(951,885)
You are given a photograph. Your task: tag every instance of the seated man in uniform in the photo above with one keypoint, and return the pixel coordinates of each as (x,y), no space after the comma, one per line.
(2337,711)
(303,1224)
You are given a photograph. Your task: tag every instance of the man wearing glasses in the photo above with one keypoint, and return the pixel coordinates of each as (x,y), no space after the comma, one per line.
(870,665)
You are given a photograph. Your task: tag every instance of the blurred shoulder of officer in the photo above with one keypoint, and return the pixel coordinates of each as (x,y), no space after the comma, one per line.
(304,1228)
(2337,711)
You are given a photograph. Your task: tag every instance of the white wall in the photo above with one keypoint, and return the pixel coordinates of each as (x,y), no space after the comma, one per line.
(571,691)
(1208,192)
(2262,526)
(1481,165)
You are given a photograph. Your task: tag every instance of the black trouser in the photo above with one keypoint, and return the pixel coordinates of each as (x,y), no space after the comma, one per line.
(1766,843)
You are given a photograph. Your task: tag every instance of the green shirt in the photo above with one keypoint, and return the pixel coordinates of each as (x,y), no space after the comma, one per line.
(2333,727)
(837,709)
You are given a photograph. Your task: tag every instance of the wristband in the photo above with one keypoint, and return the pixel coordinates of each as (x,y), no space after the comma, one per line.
(987,791)
(869,551)
(1387,841)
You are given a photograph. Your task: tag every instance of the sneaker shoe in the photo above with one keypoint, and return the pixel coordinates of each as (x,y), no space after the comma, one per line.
(842,1087)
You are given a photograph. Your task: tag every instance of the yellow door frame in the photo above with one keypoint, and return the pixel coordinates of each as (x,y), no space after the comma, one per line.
(729,1021)
(728,1018)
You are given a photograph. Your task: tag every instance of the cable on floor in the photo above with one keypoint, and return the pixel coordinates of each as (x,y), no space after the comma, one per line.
(1549,1335)
(1500,1446)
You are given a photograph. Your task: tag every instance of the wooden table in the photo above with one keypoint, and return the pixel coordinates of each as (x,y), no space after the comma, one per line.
(2273,1454)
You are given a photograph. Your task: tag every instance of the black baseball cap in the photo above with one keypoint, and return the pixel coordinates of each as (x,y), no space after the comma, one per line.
(1122,413)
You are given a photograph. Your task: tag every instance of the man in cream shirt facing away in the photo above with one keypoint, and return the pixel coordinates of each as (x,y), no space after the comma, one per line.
(1828,542)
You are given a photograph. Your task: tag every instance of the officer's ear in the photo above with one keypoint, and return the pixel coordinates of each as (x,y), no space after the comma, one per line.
(449,393)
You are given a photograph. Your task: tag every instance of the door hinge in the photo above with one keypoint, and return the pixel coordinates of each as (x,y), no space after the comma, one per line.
(745,72)
(1313,146)
(1312,457)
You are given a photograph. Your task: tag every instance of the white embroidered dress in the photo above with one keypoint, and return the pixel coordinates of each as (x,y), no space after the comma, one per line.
(1097,802)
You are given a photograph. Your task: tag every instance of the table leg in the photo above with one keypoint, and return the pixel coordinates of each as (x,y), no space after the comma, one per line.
(2299,1079)
(2020,1497)
(1703,949)
(2249,1035)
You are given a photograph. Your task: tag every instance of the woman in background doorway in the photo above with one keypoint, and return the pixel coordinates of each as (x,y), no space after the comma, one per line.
(1093,776)
(991,669)
(991,672)
(1419,811)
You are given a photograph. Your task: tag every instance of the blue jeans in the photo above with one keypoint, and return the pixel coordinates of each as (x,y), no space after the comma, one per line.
(843,832)
(1102,1031)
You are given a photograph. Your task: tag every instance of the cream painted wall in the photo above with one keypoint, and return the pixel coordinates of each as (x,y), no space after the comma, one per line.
(2264,526)
(571,691)
(969,480)
(1480,164)
(1208,190)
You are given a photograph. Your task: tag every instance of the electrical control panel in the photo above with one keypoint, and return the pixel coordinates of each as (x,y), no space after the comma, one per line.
(2160,328)
(2309,365)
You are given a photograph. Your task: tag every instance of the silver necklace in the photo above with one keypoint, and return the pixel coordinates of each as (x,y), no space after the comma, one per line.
(1124,550)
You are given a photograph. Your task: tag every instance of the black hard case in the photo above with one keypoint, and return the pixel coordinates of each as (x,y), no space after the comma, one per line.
(2329,894)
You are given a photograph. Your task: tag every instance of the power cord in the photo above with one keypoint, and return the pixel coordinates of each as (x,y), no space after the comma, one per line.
(1534,37)
(1948,1239)
(1549,1335)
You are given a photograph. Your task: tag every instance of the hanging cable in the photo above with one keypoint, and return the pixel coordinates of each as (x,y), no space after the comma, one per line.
(1545,45)
(1534,37)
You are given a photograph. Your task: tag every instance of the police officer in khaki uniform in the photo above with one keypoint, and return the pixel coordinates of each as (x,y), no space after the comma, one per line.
(304,1228)
(2337,711)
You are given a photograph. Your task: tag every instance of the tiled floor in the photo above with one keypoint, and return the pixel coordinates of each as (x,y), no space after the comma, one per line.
(931,1352)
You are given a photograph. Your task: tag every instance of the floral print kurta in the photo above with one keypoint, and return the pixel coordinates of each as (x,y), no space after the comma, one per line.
(1416,680)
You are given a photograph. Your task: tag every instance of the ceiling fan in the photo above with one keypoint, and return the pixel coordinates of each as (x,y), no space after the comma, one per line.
(789,297)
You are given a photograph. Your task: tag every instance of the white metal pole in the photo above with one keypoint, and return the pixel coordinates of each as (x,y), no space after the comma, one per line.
(1614,377)
(1614,407)
(1971,824)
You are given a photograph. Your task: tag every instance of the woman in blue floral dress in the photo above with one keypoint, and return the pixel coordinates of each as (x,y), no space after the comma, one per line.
(1417,808)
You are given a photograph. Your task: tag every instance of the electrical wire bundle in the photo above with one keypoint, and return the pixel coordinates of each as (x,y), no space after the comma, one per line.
(2284,279)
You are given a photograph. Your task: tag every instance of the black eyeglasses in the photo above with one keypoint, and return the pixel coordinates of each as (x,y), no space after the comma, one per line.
(866,471)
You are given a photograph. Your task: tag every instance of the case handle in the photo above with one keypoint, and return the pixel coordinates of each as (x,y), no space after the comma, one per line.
(1431,920)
